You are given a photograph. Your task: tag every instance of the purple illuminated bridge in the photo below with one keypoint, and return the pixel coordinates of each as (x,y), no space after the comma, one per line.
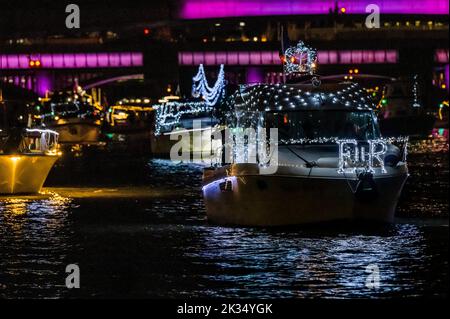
(73,60)
(42,80)
(206,9)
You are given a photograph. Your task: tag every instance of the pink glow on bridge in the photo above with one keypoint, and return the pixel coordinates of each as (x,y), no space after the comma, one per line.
(73,60)
(272,57)
(206,9)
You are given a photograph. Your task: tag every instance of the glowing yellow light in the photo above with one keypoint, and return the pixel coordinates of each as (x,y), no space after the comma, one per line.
(343,10)
(14,158)
(356,71)
(350,71)
(56,118)
(443,86)
(313,65)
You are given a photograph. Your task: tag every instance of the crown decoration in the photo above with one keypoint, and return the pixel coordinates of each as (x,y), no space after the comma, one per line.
(299,59)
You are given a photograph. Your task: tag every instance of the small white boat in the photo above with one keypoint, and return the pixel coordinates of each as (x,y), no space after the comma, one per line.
(315,180)
(184,126)
(26,159)
(75,116)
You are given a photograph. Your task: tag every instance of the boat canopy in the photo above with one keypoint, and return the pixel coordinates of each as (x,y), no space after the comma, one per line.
(291,97)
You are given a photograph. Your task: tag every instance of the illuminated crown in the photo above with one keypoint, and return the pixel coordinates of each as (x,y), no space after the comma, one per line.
(299,59)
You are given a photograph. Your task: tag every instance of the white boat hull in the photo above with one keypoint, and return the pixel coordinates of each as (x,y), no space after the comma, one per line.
(24,174)
(285,198)
(202,148)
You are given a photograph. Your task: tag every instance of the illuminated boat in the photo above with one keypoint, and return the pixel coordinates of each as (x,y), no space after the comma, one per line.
(177,119)
(74,116)
(331,162)
(26,158)
(185,126)
(129,125)
(401,111)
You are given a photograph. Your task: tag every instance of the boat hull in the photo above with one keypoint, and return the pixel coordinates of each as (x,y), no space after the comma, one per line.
(204,146)
(279,200)
(24,174)
(77,132)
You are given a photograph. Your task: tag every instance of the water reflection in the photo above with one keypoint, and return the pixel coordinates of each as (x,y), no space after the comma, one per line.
(161,245)
(313,263)
(34,242)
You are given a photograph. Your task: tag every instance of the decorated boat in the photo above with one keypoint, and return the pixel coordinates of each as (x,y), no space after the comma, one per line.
(401,110)
(26,158)
(129,124)
(304,153)
(74,115)
(186,125)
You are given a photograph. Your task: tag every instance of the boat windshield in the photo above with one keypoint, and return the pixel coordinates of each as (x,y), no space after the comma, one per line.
(312,124)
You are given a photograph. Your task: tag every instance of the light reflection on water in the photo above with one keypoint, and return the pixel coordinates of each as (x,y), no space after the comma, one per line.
(314,263)
(33,237)
(164,247)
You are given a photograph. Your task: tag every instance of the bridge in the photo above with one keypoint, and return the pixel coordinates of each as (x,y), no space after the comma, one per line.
(243,36)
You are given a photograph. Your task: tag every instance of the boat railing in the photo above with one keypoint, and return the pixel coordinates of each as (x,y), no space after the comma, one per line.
(40,141)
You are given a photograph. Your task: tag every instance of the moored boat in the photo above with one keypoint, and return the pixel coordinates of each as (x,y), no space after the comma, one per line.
(401,110)
(26,158)
(74,116)
(319,174)
(129,124)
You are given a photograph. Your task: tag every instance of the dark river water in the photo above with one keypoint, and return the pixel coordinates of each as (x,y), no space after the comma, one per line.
(136,227)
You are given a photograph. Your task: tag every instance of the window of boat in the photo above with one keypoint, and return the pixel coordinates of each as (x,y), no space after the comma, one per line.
(314,124)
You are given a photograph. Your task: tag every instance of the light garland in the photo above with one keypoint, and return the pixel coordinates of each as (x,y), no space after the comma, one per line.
(169,114)
(280,97)
(332,140)
(299,59)
(415,92)
(354,155)
(200,87)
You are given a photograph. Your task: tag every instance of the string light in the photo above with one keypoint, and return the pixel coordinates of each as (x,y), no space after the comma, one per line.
(263,97)
(168,115)
(200,87)
(299,59)
(415,92)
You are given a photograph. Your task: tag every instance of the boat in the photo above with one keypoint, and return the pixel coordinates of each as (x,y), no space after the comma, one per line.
(175,118)
(401,111)
(26,154)
(308,185)
(129,124)
(317,156)
(26,158)
(75,117)
(193,117)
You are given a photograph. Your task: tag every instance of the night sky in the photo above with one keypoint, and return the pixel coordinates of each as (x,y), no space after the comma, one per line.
(47,17)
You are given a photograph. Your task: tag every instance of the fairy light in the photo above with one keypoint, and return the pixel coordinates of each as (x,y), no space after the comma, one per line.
(415,92)
(200,87)
(275,97)
(169,114)
(299,59)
